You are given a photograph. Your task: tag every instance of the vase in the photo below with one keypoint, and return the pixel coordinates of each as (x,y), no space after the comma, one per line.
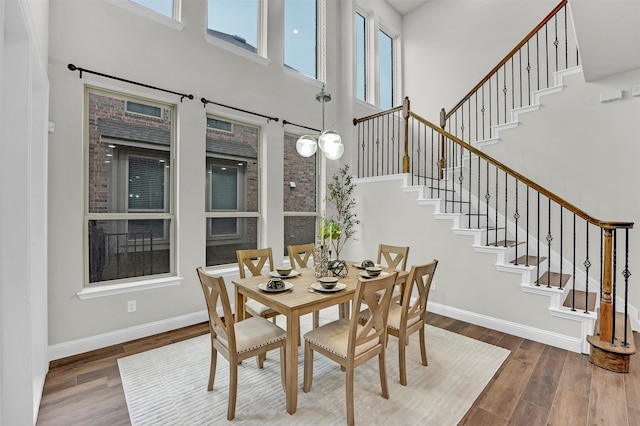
(321,261)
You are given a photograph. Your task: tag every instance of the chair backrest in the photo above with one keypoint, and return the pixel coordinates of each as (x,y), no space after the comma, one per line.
(393,256)
(420,278)
(299,255)
(215,290)
(254,261)
(373,332)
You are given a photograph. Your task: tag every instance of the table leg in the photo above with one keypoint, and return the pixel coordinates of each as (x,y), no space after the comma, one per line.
(293,330)
(240,301)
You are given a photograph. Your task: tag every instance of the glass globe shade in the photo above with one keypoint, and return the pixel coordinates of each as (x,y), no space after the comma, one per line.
(306,145)
(334,151)
(328,137)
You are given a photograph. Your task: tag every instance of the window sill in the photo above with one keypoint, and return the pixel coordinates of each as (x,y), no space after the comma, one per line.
(149,14)
(113,289)
(215,41)
(300,76)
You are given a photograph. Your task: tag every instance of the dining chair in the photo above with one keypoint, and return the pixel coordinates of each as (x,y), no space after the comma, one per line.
(395,257)
(236,341)
(409,317)
(350,343)
(299,256)
(254,260)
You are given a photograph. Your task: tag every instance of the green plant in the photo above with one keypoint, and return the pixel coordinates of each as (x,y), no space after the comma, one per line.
(339,194)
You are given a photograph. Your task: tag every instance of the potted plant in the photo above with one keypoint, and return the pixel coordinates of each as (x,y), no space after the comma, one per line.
(341,227)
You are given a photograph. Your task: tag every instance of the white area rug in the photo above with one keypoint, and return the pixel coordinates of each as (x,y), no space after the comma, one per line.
(168,385)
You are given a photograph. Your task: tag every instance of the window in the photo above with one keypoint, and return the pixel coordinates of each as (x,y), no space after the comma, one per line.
(300,195)
(129,216)
(231,189)
(386,70)
(235,22)
(300,36)
(163,7)
(361,57)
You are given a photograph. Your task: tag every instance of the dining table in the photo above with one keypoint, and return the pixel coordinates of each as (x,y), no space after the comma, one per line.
(302,295)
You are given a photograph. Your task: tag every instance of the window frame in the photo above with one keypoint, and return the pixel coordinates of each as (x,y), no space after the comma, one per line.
(100,288)
(367,57)
(393,38)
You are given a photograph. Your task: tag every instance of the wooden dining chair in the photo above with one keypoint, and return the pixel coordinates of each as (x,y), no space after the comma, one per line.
(236,341)
(299,257)
(254,260)
(409,317)
(394,257)
(350,343)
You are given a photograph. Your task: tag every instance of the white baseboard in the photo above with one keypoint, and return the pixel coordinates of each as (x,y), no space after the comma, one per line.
(79,346)
(569,343)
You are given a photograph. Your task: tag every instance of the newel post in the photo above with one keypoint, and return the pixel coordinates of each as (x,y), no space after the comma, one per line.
(606,303)
(405,115)
(443,124)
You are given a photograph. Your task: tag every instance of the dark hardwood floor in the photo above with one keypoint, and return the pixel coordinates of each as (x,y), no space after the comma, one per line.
(536,385)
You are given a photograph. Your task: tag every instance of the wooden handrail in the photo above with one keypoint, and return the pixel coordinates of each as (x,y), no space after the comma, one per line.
(565,204)
(506,58)
(377,114)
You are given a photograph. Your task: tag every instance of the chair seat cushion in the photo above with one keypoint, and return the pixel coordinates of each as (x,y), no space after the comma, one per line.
(254,333)
(257,308)
(334,338)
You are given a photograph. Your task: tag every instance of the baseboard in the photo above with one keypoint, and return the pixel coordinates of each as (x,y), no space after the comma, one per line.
(79,346)
(569,343)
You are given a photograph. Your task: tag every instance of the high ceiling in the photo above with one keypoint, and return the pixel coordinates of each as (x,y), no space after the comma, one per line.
(405,6)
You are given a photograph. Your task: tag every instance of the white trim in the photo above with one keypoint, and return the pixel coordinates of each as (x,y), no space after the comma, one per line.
(87,344)
(569,343)
(130,287)
(148,13)
(255,57)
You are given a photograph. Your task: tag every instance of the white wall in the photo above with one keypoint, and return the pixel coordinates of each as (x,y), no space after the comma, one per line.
(23,207)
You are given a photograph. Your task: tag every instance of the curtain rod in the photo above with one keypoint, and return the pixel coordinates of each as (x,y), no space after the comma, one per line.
(81,70)
(284,122)
(207,101)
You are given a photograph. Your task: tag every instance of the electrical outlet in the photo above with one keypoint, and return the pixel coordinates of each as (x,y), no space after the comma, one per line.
(131,306)
(433,285)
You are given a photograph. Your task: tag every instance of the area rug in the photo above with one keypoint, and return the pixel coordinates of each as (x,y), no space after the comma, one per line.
(168,385)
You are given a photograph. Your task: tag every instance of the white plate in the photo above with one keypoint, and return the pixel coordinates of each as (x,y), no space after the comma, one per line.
(287,286)
(292,274)
(366,275)
(359,265)
(318,287)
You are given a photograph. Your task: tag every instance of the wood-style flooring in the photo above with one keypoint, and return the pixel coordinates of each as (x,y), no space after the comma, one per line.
(537,384)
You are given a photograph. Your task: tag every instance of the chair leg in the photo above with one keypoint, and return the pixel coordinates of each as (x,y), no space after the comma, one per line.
(260,359)
(402,359)
(316,319)
(349,385)
(212,369)
(423,346)
(308,368)
(283,367)
(382,365)
(233,389)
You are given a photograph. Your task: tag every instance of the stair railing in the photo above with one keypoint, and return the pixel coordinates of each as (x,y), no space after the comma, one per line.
(528,67)
(544,233)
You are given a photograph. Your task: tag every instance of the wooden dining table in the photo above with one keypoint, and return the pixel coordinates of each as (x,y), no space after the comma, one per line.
(301,299)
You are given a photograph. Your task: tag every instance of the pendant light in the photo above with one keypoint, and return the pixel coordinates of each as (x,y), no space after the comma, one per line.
(329,141)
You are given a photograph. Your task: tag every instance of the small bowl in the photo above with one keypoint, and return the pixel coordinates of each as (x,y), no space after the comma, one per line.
(367,263)
(284,270)
(275,284)
(373,271)
(328,282)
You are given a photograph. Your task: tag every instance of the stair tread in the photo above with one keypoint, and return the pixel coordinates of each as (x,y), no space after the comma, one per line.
(621,323)
(507,243)
(554,278)
(580,300)
(532,260)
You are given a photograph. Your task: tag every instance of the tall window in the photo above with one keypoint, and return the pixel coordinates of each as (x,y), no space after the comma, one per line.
(129,206)
(164,7)
(231,151)
(300,36)
(386,70)
(361,57)
(300,195)
(235,21)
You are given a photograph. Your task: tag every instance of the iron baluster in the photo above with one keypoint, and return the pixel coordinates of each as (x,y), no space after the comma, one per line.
(626,274)
(561,246)
(516,216)
(613,285)
(538,244)
(587,265)
(573,273)
(549,239)
(506,209)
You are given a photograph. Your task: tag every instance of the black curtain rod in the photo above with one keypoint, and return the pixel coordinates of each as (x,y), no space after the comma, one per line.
(284,122)
(75,68)
(207,101)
